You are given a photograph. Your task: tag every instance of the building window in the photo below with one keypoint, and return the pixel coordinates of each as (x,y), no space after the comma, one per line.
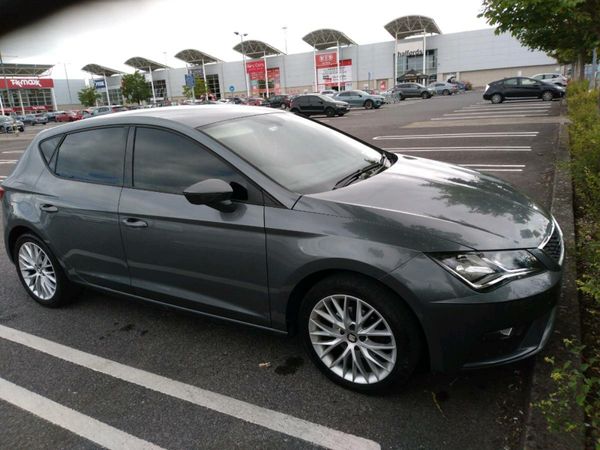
(415,62)
(160,89)
(212,82)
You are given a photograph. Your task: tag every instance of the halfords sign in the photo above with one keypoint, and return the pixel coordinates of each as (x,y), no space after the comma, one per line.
(26,83)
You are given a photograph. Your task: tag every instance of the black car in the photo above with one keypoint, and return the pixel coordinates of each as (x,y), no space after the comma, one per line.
(279,101)
(311,104)
(521,87)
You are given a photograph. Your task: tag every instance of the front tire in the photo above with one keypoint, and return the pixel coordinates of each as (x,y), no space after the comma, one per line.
(547,96)
(330,112)
(497,98)
(369,104)
(40,273)
(445,92)
(359,334)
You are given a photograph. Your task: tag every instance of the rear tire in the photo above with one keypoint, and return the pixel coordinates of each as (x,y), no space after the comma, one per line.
(425,95)
(497,98)
(369,104)
(445,92)
(364,360)
(40,273)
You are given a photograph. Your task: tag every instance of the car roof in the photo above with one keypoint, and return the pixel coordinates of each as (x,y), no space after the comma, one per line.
(193,116)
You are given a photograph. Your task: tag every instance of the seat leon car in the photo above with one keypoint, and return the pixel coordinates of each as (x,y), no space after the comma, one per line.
(521,87)
(379,261)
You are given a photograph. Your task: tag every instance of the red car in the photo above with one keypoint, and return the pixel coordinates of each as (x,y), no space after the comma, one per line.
(69,116)
(256,101)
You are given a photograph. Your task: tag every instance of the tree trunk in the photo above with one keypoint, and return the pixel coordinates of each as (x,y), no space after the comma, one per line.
(581,66)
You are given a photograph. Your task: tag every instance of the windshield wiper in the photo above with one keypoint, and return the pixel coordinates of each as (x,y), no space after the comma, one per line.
(354,176)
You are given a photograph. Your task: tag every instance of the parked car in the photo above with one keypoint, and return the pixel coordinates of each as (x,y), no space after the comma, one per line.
(441,88)
(102,110)
(27,119)
(41,119)
(552,78)
(51,115)
(521,87)
(9,124)
(408,90)
(380,261)
(328,92)
(279,101)
(311,104)
(360,98)
(256,101)
(69,116)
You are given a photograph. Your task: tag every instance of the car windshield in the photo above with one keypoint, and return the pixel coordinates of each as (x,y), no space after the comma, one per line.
(300,155)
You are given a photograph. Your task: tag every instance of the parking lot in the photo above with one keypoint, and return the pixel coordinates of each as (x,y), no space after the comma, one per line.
(120,372)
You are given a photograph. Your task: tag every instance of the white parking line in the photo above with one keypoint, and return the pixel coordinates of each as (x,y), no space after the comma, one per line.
(478,113)
(460,149)
(505,106)
(493,165)
(273,420)
(8,161)
(481,116)
(69,419)
(500,111)
(13,151)
(457,135)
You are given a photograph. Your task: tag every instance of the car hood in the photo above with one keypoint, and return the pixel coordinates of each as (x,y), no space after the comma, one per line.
(429,201)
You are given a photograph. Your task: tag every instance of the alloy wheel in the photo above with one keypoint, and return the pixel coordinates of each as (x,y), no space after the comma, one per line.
(37,271)
(352,339)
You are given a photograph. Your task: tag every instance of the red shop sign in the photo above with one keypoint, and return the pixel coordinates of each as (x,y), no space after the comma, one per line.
(323,60)
(257,66)
(27,83)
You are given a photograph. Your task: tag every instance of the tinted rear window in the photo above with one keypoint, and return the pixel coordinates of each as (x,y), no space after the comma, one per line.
(96,156)
(48,147)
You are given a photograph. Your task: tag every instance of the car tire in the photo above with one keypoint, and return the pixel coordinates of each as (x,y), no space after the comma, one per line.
(282,106)
(402,98)
(424,95)
(497,98)
(547,96)
(445,92)
(368,104)
(329,112)
(35,261)
(372,368)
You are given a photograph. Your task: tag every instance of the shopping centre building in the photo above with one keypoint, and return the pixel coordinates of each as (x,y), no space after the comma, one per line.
(417,47)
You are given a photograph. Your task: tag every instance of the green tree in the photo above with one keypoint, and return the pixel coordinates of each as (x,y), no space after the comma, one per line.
(88,96)
(134,87)
(199,88)
(565,29)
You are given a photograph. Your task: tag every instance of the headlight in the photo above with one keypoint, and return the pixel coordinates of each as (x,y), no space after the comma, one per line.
(482,270)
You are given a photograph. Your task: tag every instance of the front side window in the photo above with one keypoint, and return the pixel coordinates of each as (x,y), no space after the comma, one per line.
(168,162)
(300,155)
(529,82)
(96,156)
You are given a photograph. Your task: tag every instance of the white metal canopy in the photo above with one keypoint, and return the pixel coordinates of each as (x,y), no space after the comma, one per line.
(256,49)
(97,69)
(406,26)
(327,38)
(141,63)
(196,57)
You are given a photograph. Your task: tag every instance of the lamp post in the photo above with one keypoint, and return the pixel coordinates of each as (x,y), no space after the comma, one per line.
(285,38)
(242,35)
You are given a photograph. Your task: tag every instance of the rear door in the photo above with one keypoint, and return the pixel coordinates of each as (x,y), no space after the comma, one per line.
(79,205)
(316,104)
(194,256)
(510,88)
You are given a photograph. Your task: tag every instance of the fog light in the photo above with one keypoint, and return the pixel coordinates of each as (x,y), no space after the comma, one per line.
(505,333)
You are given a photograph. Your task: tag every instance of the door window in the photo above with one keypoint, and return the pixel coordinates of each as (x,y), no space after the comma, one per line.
(510,82)
(95,155)
(529,83)
(168,162)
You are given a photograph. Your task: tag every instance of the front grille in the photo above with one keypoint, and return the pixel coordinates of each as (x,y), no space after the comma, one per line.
(553,247)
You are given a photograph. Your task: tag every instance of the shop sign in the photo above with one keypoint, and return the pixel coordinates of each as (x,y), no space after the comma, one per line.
(26,83)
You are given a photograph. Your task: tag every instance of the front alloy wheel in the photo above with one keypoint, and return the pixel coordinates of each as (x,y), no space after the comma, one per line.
(352,339)
(547,96)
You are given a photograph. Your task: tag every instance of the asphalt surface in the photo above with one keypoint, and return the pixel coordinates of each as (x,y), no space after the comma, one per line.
(481,409)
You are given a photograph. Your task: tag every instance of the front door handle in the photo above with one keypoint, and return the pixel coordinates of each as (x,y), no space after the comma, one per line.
(134,223)
(49,208)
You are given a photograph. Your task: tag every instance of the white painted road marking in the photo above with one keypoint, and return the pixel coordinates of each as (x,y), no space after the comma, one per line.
(495,167)
(488,117)
(69,419)
(486,113)
(457,135)
(13,151)
(460,149)
(273,420)
(8,161)
(492,165)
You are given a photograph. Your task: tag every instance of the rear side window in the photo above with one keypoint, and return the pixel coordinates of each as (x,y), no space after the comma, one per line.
(48,149)
(96,156)
(168,162)
(510,82)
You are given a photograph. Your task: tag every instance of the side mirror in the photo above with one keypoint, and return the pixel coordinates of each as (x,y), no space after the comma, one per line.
(212,192)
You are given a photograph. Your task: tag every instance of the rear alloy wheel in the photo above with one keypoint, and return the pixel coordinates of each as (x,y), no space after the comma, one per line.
(497,98)
(445,92)
(359,335)
(39,272)
(547,96)
(369,104)
(282,106)
(330,112)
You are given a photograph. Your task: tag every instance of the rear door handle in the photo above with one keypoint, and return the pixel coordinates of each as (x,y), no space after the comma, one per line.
(134,223)
(49,208)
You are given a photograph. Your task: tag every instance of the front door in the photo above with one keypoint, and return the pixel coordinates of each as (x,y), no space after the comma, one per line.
(194,256)
(511,88)
(529,88)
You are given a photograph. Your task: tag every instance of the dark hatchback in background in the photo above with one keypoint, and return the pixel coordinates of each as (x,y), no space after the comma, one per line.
(521,87)
(261,217)
(318,104)
(279,101)
(412,90)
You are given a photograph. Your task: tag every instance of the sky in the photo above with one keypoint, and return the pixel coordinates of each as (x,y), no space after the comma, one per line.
(109,32)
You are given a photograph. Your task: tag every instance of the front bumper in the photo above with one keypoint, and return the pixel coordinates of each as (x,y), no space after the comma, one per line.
(469,329)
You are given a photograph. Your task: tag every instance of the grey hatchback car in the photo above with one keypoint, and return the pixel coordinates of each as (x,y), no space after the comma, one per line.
(379,261)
